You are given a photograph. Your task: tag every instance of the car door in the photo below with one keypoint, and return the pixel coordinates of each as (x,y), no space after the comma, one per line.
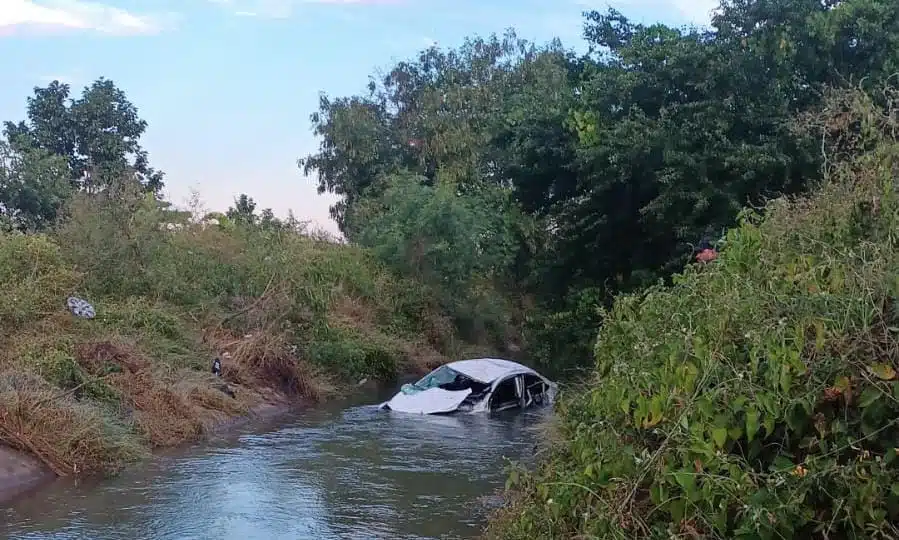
(508,393)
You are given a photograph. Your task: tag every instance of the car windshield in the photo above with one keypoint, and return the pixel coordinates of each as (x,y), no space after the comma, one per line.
(440,376)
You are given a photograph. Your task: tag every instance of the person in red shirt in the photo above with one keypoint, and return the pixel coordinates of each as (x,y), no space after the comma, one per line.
(707,252)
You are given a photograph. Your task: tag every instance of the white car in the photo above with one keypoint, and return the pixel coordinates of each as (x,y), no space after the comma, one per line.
(483,384)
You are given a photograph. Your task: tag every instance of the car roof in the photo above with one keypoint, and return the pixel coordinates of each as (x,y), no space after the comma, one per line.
(487,370)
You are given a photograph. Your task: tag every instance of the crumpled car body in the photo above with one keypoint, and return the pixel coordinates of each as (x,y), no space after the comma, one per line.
(476,385)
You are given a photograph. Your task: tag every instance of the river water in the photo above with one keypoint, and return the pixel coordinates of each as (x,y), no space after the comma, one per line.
(347,470)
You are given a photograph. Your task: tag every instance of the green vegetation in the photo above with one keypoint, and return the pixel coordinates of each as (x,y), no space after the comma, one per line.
(602,173)
(298,313)
(756,397)
(516,196)
(603,176)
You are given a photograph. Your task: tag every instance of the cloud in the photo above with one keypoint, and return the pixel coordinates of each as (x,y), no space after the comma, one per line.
(282,9)
(53,16)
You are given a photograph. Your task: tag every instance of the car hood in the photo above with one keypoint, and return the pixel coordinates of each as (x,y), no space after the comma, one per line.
(430,401)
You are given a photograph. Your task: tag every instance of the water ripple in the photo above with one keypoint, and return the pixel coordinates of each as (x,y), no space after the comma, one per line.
(353,473)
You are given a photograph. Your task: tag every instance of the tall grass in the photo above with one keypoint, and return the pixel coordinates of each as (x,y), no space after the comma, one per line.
(297,315)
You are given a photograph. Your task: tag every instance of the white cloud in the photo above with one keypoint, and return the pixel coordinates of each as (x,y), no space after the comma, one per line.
(55,15)
(282,9)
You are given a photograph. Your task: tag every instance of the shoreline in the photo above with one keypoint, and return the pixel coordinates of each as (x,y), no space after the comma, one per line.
(22,473)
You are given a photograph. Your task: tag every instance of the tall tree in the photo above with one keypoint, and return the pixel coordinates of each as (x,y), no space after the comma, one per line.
(98,134)
(437,116)
(34,186)
(244,213)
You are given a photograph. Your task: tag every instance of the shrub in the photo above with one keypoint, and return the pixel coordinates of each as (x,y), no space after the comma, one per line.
(758,396)
(34,279)
(70,436)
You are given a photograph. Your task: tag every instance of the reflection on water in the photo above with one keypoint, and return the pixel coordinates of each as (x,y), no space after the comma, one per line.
(355,472)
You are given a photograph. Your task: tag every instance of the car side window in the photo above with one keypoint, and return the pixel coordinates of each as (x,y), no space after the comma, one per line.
(504,396)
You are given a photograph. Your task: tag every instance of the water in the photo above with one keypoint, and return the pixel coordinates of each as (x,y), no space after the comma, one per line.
(346,471)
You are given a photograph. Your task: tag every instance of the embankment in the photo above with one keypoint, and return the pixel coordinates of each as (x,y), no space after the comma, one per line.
(22,472)
(756,397)
(295,319)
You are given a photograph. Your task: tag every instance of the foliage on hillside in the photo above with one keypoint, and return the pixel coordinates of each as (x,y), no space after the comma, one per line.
(757,396)
(298,315)
(290,313)
(614,165)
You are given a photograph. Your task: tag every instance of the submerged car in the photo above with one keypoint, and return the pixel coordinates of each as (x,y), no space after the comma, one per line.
(482,384)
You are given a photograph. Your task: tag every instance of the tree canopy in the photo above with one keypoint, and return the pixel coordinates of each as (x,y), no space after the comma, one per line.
(621,161)
(66,145)
(98,134)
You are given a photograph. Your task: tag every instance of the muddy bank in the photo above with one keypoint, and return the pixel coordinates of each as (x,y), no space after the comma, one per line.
(21,473)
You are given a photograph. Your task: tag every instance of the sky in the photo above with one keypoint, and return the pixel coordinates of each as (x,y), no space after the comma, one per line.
(227,86)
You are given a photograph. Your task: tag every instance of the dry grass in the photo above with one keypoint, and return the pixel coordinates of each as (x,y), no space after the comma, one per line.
(164,417)
(138,375)
(418,355)
(70,437)
(265,360)
(96,357)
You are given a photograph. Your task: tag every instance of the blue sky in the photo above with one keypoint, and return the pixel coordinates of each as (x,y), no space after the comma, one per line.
(227,86)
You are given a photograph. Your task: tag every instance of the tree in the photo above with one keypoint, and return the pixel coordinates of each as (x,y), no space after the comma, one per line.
(435,116)
(453,243)
(618,163)
(680,129)
(98,135)
(243,211)
(34,186)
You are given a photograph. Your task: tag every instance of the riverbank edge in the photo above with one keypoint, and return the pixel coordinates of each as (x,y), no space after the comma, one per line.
(22,473)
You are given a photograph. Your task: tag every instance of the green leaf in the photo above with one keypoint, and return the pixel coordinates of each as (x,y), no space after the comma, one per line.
(868,397)
(782,463)
(842,383)
(655,411)
(687,481)
(677,508)
(719,435)
(883,372)
(752,423)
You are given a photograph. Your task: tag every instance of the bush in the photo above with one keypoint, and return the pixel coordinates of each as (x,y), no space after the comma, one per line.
(561,340)
(354,354)
(34,279)
(758,396)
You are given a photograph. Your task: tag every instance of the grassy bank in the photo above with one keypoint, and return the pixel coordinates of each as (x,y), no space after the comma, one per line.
(300,317)
(757,396)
